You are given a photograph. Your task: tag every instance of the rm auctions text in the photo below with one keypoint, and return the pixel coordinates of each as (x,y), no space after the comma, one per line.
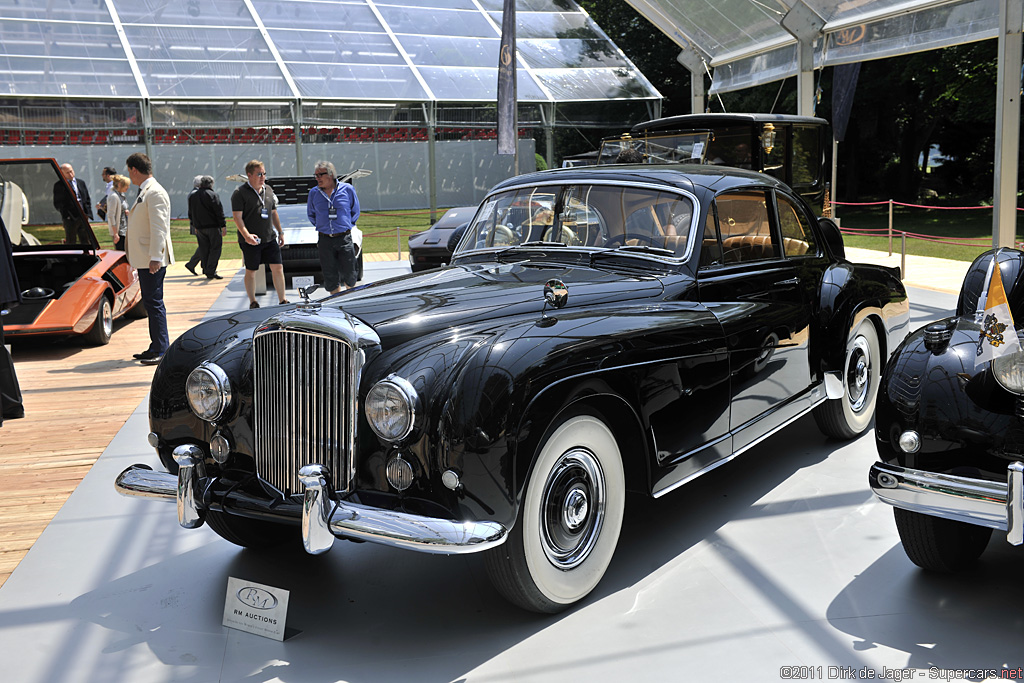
(866,673)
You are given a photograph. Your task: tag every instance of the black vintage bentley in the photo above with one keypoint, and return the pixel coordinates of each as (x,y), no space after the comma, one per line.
(599,330)
(950,429)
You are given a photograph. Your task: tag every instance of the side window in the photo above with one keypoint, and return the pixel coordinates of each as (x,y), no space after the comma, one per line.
(797,238)
(746,230)
(711,245)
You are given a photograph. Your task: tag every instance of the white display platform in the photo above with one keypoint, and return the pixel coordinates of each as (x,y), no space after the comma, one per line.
(781,558)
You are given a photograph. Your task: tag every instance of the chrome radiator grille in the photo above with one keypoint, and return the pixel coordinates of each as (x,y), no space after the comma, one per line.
(302,407)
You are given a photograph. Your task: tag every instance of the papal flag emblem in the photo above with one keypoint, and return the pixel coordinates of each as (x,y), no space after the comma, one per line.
(997,336)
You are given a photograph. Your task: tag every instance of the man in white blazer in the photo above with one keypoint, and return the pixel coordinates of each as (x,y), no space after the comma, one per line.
(150,250)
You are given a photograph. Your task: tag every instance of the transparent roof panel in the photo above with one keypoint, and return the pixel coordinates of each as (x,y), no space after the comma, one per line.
(746,45)
(318,16)
(356,81)
(334,49)
(184,12)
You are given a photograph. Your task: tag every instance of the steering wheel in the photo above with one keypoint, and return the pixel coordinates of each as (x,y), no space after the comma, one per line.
(615,240)
(501,235)
(568,237)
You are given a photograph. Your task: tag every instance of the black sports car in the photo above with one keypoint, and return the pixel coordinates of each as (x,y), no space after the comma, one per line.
(431,248)
(950,427)
(599,330)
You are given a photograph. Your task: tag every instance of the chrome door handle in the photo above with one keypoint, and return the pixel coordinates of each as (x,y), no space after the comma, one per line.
(790,281)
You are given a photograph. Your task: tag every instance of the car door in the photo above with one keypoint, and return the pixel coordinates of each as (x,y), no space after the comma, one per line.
(747,282)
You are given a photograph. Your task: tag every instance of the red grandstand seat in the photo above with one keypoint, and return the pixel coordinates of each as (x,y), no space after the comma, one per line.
(58,137)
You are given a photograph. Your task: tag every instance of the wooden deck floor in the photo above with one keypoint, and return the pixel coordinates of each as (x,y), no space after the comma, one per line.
(76,399)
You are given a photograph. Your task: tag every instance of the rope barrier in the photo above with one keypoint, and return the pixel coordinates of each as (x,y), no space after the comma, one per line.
(918,206)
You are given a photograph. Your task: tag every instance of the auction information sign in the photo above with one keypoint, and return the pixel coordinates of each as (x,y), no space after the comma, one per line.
(255,608)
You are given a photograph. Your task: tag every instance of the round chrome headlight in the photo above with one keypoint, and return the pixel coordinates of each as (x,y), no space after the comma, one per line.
(208,391)
(391,408)
(1009,372)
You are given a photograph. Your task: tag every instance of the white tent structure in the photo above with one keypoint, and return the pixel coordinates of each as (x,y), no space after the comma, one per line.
(743,43)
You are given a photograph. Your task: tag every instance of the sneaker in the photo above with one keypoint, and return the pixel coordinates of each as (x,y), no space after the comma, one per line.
(254,304)
(283,302)
(191,269)
(152,360)
(145,355)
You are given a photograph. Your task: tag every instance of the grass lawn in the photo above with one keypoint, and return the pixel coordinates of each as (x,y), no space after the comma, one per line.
(380,233)
(940,223)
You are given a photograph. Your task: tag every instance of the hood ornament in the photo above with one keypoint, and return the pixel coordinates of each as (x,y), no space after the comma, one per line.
(306,304)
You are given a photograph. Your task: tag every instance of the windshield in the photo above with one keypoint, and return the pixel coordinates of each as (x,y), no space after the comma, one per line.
(671,148)
(599,217)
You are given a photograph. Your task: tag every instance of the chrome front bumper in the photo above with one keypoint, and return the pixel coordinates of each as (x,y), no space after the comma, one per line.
(963,499)
(323,516)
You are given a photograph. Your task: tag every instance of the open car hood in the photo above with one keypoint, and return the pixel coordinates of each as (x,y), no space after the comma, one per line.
(30,191)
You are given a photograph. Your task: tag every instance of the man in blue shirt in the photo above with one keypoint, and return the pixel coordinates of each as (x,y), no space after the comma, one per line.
(334,209)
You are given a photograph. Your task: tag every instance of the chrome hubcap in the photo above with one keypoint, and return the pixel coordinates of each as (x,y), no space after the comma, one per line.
(573,508)
(108,318)
(858,374)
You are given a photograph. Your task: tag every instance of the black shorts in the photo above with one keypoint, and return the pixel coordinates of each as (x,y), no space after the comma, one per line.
(268,252)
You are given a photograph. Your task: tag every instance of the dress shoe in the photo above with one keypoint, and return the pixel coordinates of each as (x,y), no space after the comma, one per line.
(191,269)
(145,355)
(254,304)
(283,302)
(214,277)
(152,360)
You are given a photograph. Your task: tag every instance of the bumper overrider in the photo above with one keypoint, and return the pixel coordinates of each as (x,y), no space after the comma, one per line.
(996,505)
(324,516)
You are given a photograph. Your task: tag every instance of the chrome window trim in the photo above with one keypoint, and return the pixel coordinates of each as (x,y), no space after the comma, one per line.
(674,260)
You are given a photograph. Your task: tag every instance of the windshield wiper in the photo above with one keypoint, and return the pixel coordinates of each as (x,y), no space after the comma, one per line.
(643,248)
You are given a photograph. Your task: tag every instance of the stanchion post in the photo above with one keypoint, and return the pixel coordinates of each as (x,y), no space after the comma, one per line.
(398,236)
(890,227)
(903,258)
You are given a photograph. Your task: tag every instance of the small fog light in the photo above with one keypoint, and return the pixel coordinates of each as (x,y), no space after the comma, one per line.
(153,439)
(220,448)
(450,478)
(910,441)
(887,481)
(399,473)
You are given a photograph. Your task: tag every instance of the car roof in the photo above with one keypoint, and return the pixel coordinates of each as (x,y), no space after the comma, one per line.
(694,178)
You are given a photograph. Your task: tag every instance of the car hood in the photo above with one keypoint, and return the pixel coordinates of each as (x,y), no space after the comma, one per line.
(477,295)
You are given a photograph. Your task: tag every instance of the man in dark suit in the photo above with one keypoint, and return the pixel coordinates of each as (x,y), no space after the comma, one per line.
(74,231)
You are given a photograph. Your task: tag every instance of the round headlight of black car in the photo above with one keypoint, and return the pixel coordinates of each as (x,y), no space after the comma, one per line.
(391,408)
(209,391)
(1009,372)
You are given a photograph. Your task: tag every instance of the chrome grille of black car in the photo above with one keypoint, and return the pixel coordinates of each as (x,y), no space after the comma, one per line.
(302,411)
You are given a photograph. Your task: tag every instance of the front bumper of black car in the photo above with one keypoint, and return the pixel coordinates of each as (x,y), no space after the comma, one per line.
(996,505)
(324,516)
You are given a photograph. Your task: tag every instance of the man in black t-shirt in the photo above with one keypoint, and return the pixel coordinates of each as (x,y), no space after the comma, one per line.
(254,208)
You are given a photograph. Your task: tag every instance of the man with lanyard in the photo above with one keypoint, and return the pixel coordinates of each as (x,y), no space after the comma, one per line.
(334,209)
(254,208)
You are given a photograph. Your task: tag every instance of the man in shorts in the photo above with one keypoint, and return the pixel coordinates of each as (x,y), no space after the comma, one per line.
(334,209)
(254,208)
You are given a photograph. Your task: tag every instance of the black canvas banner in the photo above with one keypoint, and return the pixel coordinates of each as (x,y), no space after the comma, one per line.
(507,123)
(844,84)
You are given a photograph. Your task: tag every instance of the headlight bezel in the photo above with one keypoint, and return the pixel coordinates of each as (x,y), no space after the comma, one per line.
(393,386)
(1009,371)
(221,384)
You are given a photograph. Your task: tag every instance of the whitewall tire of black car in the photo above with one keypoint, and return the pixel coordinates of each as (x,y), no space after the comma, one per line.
(849,416)
(569,520)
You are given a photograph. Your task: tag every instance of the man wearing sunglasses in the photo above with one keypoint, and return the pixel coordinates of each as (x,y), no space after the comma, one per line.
(334,209)
(254,208)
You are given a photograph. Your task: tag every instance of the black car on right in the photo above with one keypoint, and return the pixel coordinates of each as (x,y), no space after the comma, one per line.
(950,428)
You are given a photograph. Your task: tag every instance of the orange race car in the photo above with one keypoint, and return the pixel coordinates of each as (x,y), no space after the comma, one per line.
(69,285)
